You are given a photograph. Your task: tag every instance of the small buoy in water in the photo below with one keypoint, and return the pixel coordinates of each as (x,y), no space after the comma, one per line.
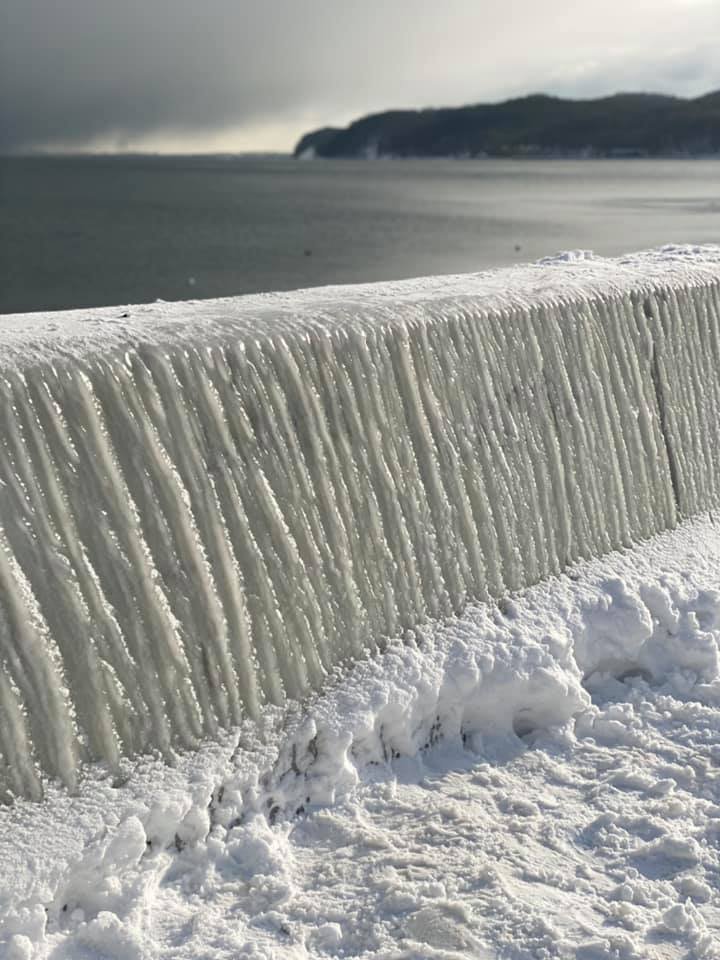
(308,253)
(191,281)
(518,248)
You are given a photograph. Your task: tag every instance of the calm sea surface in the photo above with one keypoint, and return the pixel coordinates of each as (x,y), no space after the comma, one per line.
(77,232)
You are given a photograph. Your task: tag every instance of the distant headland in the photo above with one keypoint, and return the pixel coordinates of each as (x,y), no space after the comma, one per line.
(623,125)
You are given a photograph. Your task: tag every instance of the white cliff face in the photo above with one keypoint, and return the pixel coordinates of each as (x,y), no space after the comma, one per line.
(206,507)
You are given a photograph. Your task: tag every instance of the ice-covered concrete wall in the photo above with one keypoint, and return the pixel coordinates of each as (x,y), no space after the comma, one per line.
(206,506)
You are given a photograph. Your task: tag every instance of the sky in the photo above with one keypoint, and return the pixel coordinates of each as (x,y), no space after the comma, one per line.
(234,75)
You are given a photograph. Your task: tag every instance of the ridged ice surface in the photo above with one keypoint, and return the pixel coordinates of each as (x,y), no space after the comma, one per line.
(207,506)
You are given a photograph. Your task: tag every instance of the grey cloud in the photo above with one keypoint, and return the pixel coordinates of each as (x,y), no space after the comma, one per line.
(75,70)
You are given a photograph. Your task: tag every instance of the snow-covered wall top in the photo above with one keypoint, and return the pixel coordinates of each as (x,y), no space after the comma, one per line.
(207,506)
(31,338)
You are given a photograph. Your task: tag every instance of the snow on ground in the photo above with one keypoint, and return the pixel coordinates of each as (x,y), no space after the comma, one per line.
(538,779)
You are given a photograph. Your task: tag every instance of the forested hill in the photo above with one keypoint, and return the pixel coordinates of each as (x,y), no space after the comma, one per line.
(627,124)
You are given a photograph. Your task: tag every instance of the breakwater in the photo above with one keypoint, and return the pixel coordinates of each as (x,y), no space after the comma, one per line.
(205,507)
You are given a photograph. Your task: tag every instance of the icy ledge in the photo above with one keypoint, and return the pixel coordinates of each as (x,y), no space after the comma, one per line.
(206,508)
(37,337)
(534,778)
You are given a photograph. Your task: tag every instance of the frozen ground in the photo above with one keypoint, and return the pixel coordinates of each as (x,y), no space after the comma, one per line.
(539,779)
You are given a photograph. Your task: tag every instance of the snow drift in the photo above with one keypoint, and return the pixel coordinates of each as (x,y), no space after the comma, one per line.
(206,507)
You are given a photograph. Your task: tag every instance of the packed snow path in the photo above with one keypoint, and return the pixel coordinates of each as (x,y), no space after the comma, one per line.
(206,507)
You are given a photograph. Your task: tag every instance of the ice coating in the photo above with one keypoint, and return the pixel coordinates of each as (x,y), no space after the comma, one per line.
(205,507)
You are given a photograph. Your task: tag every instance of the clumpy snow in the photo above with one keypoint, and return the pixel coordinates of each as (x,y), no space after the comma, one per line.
(538,778)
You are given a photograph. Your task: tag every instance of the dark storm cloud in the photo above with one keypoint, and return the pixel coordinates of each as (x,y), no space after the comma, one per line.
(75,71)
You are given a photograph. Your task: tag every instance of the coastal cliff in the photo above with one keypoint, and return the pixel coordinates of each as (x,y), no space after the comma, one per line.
(627,124)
